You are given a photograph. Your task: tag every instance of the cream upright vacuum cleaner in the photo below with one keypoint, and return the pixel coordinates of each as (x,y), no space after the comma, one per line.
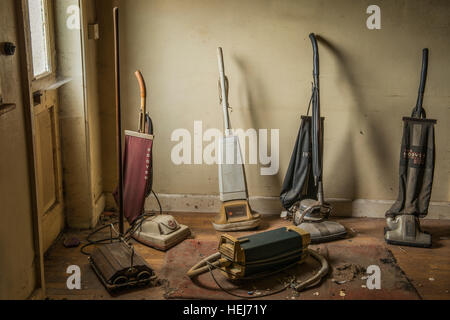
(235,213)
(302,191)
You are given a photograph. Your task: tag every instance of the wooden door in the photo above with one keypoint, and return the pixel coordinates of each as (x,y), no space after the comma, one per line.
(44,114)
(48,164)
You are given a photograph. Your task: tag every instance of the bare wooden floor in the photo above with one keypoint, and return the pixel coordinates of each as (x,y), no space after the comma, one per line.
(427,269)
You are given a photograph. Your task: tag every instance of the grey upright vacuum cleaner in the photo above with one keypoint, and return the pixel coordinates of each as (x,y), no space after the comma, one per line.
(302,191)
(417,157)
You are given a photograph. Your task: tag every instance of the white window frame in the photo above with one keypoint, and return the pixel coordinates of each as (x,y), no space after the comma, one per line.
(46,79)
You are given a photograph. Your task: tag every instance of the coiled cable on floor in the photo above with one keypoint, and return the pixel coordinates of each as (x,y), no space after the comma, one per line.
(215,261)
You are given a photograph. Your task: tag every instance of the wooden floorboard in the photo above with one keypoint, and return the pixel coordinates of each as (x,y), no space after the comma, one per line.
(427,269)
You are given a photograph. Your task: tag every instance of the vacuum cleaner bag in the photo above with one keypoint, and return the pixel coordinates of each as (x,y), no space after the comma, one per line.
(298,183)
(137,171)
(417,159)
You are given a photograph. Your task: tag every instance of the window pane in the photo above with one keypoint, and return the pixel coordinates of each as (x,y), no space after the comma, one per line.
(39,36)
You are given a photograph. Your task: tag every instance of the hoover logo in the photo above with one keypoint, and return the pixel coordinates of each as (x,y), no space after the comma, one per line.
(417,157)
(258,147)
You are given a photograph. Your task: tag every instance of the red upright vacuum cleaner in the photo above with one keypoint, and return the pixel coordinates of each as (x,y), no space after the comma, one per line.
(160,231)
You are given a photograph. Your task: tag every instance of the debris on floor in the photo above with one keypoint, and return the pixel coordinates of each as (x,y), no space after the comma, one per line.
(346,272)
(342,293)
(431,279)
(389,260)
(339,282)
(71,242)
(167,289)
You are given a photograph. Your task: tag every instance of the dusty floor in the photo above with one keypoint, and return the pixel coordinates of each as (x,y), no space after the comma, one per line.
(428,270)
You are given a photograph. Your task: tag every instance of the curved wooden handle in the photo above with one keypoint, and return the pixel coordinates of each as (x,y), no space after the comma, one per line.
(143,90)
(142,87)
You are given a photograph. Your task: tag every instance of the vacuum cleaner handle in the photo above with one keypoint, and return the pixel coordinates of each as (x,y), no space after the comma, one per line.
(316,126)
(118,118)
(316,278)
(223,84)
(312,36)
(419,111)
(143,91)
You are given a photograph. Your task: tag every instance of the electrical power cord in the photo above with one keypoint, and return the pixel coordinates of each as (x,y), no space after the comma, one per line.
(213,262)
(237,295)
(127,235)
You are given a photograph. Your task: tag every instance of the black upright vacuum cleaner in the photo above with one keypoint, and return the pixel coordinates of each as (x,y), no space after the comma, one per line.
(302,191)
(417,157)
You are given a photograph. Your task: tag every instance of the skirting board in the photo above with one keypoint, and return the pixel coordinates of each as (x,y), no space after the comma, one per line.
(271,205)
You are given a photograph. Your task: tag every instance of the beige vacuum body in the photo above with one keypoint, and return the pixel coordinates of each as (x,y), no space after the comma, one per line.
(161,232)
(236,215)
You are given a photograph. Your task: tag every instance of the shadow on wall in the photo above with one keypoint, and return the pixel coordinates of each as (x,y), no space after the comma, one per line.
(250,88)
(377,139)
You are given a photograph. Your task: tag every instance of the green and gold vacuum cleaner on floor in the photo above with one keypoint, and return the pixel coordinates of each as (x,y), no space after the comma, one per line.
(302,191)
(262,254)
(417,157)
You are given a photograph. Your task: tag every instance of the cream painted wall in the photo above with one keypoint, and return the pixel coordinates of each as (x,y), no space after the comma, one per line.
(79,118)
(17,263)
(369,80)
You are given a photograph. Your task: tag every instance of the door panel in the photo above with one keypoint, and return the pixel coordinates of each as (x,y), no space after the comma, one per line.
(45,143)
(48,165)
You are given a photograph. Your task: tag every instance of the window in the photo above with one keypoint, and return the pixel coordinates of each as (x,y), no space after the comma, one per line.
(40,42)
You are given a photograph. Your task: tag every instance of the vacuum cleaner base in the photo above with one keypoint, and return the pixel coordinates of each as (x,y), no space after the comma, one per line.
(236,215)
(161,232)
(324,231)
(238,226)
(404,230)
(118,267)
